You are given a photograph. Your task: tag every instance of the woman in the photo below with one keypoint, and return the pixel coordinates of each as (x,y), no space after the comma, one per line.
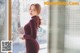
(31,28)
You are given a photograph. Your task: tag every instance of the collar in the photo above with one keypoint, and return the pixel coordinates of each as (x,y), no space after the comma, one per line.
(34,16)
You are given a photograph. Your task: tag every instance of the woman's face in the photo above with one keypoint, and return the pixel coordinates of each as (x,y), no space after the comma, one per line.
(33,11)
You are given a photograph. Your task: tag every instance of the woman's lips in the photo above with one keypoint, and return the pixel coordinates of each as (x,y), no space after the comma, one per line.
(30,13)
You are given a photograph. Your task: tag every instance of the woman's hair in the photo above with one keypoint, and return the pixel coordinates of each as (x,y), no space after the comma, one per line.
(37,7)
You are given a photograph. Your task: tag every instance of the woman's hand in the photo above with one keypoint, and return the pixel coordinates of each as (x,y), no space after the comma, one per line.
(22,38)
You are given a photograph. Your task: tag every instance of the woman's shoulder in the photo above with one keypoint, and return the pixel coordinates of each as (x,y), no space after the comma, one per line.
(32,20)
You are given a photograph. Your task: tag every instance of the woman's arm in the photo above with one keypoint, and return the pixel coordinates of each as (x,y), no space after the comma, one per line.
(33,29)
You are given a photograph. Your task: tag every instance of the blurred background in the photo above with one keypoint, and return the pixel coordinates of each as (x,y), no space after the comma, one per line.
(64,35)
(3,21)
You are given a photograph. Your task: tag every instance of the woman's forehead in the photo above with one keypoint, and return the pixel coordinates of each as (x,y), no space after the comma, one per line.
(32,6)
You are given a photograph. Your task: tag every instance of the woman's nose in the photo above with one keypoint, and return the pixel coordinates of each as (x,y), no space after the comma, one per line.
(30,10)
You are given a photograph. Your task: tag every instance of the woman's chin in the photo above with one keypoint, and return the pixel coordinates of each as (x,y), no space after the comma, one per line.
(33,15)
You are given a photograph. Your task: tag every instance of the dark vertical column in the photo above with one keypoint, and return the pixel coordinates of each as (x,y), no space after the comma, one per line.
(53,28)
(61,28)
(9,21)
